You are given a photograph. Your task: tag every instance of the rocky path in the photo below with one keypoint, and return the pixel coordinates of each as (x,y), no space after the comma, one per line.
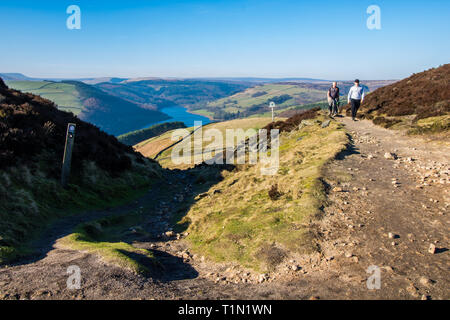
(389,212)
(390,199)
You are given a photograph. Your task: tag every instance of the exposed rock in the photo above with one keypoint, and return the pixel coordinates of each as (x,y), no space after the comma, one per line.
(432,249)
(306,123)
(201,196)
(412,290)
(390,156)
(295,268)
(263,277)
(392,235)
(326,124)
(425,281)
(170,234)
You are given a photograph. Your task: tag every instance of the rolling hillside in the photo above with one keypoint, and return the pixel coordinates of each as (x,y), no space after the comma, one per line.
(135,137)
(420,103)
(160,93)
(111,114)
(286,95)
(32,138)
(258,221)
(152,147)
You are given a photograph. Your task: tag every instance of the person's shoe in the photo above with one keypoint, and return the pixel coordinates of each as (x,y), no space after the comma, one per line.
(353,119)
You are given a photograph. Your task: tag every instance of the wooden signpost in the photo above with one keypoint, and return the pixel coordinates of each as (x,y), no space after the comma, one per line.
(67,160)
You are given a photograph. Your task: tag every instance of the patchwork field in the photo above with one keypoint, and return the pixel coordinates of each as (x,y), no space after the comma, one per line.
(112,114)
(65,95)
(255,101)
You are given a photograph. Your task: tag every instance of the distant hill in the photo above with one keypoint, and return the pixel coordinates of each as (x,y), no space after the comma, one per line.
(137,136)
(32,138)
(160,93)
(112,114)
(15,77)
(289,96)
(264,80)
(101,80)
(255,100)
(420,102)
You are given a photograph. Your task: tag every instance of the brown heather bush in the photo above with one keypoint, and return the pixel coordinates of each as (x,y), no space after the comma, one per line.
(293,122)
(32,129)
(274,194)
(426,94)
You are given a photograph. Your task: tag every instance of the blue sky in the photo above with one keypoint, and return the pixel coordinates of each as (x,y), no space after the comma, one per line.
(224,38)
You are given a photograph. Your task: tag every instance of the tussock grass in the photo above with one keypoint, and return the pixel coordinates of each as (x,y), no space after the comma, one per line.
(241,223)
(104,238)
(431,125)
(30,201)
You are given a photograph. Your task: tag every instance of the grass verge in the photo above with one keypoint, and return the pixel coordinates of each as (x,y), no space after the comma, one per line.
(30,201)
(104,238)
(258,221)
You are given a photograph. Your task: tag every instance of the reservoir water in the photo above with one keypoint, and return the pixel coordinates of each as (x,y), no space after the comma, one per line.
(178,113)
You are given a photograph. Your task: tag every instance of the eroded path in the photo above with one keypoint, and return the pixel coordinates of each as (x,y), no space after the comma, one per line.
(382,212)
(390,213)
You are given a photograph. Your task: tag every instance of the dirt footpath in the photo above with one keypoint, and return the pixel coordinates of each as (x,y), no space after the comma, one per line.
(388,212)
(389,208)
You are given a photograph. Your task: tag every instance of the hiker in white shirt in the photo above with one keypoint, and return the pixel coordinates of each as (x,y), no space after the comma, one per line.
(356,97)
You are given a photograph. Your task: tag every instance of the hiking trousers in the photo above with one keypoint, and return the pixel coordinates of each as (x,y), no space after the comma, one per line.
(356,103)
(334,107)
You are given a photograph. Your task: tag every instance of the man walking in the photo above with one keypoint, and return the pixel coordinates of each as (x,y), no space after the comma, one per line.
(356,97)
(333,99)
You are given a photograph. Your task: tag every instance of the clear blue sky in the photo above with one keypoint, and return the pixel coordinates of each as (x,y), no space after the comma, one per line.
(224,38)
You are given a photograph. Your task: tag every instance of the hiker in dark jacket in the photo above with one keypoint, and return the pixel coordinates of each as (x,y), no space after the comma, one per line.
(333,100)
(356,97)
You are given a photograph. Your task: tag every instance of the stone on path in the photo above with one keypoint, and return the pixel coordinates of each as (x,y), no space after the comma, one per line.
(432,249)
(326,124)
(390,156)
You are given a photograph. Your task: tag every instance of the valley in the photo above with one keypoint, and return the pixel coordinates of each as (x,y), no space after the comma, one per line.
(348,197)
(111,114)
(349,238)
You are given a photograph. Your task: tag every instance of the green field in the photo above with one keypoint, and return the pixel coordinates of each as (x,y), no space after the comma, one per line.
(255,101)
(65,95)
(245,99)
(151,147)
